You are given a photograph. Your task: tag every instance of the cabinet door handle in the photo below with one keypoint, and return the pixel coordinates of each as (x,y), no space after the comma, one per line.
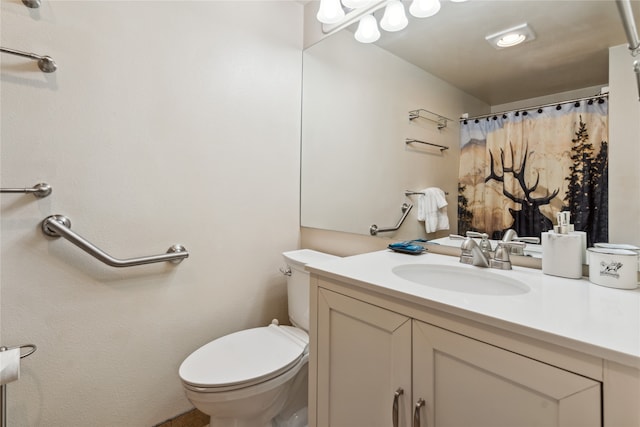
(394,412)
(416,413)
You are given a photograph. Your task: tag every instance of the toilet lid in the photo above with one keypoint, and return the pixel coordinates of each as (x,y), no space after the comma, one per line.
(249,356)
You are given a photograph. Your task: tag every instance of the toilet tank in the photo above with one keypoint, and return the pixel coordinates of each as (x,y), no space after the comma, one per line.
(298,283)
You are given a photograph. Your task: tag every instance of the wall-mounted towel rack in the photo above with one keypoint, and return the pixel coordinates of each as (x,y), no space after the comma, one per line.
(440,121)
(440,147)
(374,229)
(60,226)
(41,189)
(416,193)
(45,63)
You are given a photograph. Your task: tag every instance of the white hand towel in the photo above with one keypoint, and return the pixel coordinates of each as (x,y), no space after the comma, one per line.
(432,209)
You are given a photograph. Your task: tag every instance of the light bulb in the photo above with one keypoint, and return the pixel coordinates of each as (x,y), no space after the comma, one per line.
(330,12)
(511,40)
(367,31)
(424,8)
(355,4)
(394,18)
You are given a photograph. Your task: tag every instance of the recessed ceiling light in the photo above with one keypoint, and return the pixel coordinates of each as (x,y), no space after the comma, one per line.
(511,36)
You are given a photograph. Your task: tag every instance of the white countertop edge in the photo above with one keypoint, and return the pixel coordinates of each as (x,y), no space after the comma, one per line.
(624,348)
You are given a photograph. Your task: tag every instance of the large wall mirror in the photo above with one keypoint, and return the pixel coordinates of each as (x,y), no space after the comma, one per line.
(357,99)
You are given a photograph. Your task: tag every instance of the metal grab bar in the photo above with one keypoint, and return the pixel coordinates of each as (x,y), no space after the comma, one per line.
(406,207)
(45,63)
(39,190)
(60,226)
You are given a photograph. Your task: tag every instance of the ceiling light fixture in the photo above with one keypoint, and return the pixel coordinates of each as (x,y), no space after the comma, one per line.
(355,4)
(511,36)
(424,8)
(332,14)
(394,18)
(367,31)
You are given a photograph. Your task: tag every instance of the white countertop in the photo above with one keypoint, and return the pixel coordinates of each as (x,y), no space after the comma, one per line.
(596,320)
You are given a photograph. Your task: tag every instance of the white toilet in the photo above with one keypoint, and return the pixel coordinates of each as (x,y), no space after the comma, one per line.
(258,377)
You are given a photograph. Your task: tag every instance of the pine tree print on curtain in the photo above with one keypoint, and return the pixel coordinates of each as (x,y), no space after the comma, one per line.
(518,169)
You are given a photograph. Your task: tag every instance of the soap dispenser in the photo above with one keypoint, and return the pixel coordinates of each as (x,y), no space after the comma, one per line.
(562,249)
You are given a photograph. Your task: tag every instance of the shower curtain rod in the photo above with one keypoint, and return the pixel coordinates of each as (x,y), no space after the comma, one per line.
(534,107)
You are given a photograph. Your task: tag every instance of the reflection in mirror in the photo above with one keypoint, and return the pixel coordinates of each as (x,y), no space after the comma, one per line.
(356,164)
(356,98)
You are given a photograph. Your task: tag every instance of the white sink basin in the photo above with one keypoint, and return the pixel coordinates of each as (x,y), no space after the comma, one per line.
(461,279)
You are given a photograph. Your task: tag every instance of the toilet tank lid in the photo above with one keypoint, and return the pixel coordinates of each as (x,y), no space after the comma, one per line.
(243,357)
(307,256)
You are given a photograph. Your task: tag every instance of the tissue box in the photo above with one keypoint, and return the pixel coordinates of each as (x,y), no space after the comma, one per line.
(614,268)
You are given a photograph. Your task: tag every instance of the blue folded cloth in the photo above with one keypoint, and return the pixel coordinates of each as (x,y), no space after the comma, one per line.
(408,247)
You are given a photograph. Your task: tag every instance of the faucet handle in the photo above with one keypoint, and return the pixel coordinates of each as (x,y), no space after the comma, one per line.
(485,244)
(533,240)
(477,235)
(501,259)
(511,236)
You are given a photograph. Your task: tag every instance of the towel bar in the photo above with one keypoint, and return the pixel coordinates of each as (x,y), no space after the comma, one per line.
(440,147)
(39,190)
(416,193)
(45,63)
(60,226)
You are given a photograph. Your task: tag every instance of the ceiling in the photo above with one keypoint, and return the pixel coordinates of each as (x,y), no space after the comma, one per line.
(570,50)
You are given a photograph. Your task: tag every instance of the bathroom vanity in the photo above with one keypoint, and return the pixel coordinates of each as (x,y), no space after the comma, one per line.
(402,340)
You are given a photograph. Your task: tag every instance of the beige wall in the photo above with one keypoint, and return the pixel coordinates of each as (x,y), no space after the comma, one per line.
(624,148)
(166,122)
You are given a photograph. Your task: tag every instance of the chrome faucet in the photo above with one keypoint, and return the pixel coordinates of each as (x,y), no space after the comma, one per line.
(501,259)
(511,236)
(485,244)
(473,254)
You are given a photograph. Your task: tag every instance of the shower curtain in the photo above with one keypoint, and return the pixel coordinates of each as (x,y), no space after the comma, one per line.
(518,169)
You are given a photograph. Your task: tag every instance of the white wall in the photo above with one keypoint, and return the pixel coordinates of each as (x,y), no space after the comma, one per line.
(166,122)
(624,148)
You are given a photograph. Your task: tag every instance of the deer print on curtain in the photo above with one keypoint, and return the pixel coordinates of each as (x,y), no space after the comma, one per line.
(518,169)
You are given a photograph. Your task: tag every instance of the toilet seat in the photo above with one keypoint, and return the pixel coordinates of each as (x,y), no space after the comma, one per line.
(244,358)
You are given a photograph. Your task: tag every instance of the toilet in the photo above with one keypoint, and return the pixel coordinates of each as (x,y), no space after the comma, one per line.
(258,377)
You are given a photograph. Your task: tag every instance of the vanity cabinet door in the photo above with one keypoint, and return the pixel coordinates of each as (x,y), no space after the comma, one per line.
(364,356)
(465,382)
